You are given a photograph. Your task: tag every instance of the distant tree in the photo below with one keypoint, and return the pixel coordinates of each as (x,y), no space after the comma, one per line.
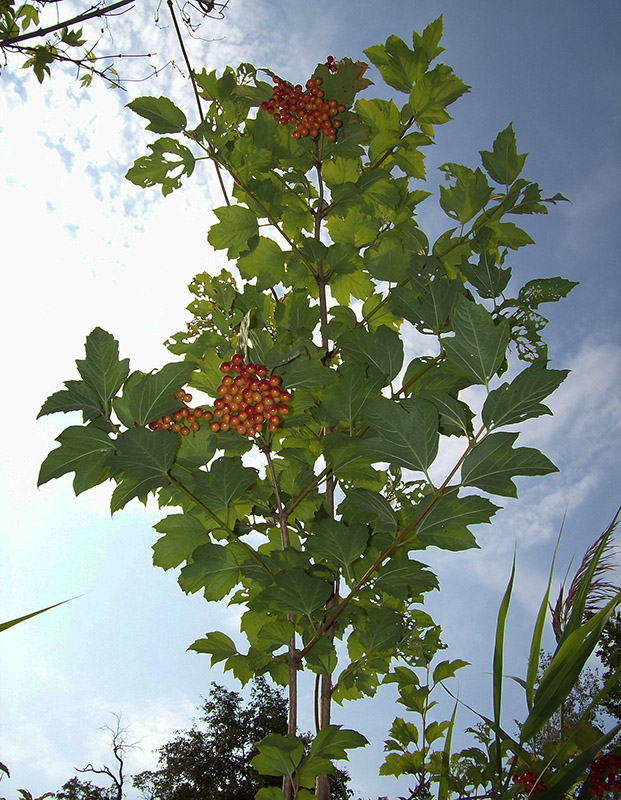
(609,653)
(75,789)
(199,764)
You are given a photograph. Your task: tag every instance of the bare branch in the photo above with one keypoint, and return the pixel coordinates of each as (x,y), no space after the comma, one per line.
(93,12)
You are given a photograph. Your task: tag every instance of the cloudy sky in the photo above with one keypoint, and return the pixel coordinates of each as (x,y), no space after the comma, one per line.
(83,247)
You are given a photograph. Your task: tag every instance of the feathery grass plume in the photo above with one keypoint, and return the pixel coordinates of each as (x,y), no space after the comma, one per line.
(589,586)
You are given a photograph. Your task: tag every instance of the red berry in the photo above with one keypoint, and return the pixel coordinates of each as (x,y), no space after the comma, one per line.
(225,366)
(194,426)
(184,431)
(283,410)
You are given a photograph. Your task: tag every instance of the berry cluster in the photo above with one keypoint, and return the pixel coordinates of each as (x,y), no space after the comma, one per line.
(529,781)
(604,775)
(309,110)
(184,420)
(331,64)
(248,399)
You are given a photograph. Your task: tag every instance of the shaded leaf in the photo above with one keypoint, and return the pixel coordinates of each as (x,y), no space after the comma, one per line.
(405,438)
(182,534)
(83,450)
(492,463)
(479,345)
(520,400)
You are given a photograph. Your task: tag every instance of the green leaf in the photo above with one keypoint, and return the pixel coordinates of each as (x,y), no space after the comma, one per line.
(499,644)
(333,742)
(403,578)
(545,290)
(455,416)
(398,65)
(432,93)
(278,754)
(520,400)
(265,262)
(356,228)
(28,15)
(380,629)
(143,459)
(364,506)
(492,463)
(469,194)
(295,593)
(447,669)
(83,450)
(348,460)
(226,481)
(479,345)
(345,399)
(382,349)
(446,523)
(5,625)
(321,658)
(162,113)
(386,259)
(303,374)
(78,396)
(564,669)
(213,568)
(337,541)
(102,371)
(168,162)
(507,234)
(502,163)
(183,533)
(218,645)
(488,278)
(153,395)
(337,171)
(237,226)
(426,307)
(406,439)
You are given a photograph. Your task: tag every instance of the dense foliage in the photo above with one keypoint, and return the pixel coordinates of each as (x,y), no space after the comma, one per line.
(408,367)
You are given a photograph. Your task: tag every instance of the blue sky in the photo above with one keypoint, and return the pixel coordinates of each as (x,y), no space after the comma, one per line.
(83,247)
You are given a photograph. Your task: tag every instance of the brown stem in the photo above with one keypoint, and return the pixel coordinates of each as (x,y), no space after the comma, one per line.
(196,95)
(96,12)
(293,660)
(325,625)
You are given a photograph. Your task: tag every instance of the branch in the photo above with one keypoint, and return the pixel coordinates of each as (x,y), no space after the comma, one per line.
(196,94)
(96,12)
(325,625)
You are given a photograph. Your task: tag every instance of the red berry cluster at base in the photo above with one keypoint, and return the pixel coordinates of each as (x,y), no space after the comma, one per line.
(311,113)
(248,399)
(184,420)
(604,775)
(529,781)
